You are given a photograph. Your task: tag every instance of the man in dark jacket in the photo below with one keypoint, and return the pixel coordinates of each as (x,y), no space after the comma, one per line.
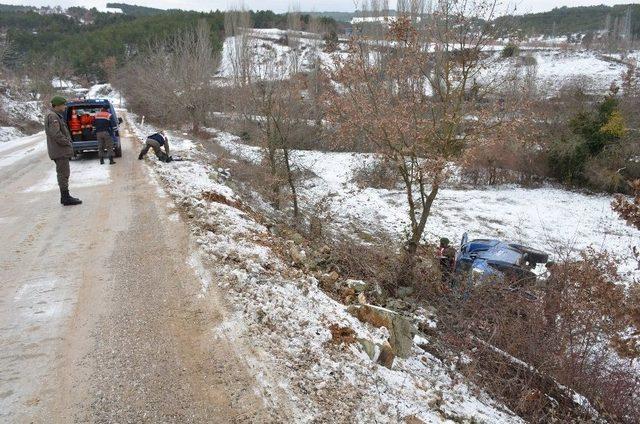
(155,141)
(104,123)
(447,258)
(59,147)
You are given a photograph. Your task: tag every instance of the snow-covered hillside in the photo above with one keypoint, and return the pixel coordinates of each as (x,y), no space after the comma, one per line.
(276,54)
(19,113)
(555,66)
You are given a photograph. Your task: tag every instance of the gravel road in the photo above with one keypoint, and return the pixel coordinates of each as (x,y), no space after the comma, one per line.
(101,318)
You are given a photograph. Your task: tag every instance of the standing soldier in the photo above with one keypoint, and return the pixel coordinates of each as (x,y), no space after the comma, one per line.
(155,141)
(104,124)
(59,147)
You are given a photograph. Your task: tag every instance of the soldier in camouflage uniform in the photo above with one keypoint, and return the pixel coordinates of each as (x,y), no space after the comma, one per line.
(59,147)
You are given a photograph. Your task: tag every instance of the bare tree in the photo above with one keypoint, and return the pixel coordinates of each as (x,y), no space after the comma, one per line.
(237,28)
(173,82)
(6,49)
(413,105)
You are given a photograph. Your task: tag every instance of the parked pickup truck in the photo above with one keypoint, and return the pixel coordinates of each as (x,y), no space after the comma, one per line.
(80,116)
(494,261)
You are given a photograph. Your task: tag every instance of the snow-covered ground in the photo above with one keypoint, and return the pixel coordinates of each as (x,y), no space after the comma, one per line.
(9,133)
(270,58)
(19,111)
(17,149)
(558,221)
(286,318)
(105,91)
(555,66)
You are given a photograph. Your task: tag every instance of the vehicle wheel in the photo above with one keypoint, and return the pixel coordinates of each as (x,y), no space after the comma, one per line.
(535,256)
(118,151)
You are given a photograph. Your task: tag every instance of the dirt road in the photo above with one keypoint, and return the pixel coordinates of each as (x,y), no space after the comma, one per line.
(100,315)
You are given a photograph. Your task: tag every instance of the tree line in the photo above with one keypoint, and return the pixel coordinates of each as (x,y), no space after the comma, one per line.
(81,41)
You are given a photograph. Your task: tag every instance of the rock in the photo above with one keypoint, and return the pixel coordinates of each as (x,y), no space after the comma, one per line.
(297,238)
(341,335)
(297,256)
(401,331)
(362,299)
(358,285)
(330,278)
(387,356)
(403,292)
(412,419)
(369,348)
(398,305)
(347,294)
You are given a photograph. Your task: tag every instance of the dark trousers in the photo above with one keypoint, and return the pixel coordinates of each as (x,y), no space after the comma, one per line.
(63,171)
(105,142)
(153,144)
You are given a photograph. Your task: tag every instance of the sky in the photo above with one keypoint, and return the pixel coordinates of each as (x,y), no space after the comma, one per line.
(523,6)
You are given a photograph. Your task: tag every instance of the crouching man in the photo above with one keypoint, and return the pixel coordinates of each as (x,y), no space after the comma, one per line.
(155,141)
(59,147)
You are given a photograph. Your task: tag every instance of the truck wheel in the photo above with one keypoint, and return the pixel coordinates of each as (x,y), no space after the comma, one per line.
(118,151)
(535,255)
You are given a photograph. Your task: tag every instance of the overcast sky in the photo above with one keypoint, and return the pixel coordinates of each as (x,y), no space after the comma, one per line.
(523,6)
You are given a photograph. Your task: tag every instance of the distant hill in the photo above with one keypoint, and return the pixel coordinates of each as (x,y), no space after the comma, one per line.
(559,21)
(12,8)
(138,11)
(571,20)
(337,16)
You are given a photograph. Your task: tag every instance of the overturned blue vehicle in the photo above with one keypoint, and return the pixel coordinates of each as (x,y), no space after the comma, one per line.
(482,261)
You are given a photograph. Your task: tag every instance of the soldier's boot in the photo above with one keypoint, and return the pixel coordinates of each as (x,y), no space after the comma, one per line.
(67,200)
(101,160)
(111,161)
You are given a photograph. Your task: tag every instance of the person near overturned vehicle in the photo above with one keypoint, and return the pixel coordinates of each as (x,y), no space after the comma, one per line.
(447,259)
(59,147)
(155,142)
(104,124)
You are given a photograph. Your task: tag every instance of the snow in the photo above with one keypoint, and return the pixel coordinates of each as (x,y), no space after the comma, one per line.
(84,173)
(20,142)
(271,60)
(555,68)
(21,110)
(9,133)
(286,317)
(106,91)
(60,83)
(14,151)
(546,218)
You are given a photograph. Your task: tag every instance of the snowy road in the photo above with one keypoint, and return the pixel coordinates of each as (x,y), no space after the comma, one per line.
(100,317)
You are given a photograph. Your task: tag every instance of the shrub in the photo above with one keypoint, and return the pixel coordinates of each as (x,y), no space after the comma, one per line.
(528,60)
(330,42)
(510,50)
(572,332)
(378,174)
(592,133)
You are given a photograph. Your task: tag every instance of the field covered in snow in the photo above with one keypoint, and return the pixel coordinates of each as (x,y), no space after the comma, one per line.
(555,66)
(272,53)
